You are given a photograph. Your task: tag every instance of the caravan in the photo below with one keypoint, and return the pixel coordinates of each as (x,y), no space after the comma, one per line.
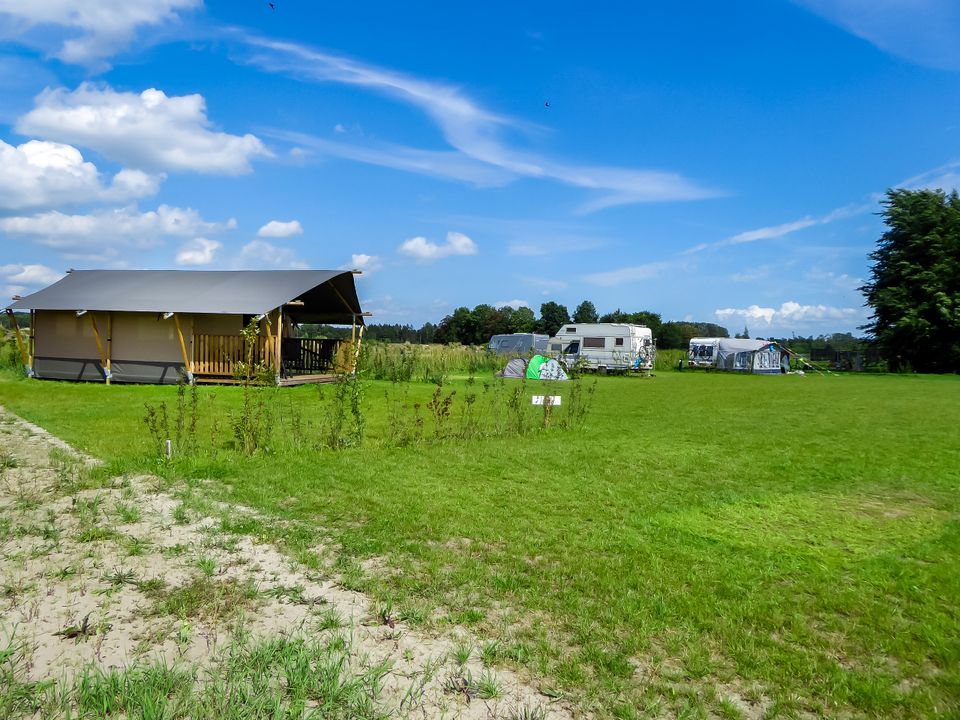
(762,357)
(518,344)
(605,346)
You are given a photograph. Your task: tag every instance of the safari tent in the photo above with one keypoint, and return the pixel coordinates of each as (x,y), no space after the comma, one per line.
(151,326)
(762,357)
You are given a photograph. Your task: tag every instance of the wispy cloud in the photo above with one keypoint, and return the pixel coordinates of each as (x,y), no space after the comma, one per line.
(631,274)
(199,251)
(924,32)
(475,133)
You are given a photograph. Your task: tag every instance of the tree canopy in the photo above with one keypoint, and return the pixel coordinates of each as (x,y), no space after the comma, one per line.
(914,287)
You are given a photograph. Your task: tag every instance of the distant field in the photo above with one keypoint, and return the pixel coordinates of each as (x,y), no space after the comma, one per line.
(722,545)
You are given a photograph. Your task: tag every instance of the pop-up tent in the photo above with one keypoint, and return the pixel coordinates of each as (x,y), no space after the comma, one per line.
(538,368)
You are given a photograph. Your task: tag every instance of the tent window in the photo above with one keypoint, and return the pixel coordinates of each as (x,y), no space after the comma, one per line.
(556,347)
(593,342)
(618,342)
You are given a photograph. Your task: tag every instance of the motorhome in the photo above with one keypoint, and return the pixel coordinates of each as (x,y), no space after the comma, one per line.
(518,344)
(605,346)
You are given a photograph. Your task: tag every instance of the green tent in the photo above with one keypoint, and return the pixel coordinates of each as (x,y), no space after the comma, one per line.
(533,367)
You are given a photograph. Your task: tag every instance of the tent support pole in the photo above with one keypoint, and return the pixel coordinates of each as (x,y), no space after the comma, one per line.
(183,349)
(109,347)
(24,356)
(279,342)
(103,356)
(356,352)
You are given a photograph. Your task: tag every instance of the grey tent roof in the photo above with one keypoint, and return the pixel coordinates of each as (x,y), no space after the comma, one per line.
(326,295)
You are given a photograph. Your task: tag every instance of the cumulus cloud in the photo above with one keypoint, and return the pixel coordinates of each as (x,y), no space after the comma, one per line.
(279,229)
(365,263)
(792,314)
(515,304)
(259,254)
(149,130)
(426,251)
(87,234)
(98,29)
(17,279)
(480,154)
(40,174)
(198,251)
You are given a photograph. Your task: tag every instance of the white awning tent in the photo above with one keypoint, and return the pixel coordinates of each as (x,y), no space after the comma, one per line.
(762,357)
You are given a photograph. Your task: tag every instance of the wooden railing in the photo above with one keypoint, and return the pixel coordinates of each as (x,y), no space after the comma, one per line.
(305,356)
(218,355)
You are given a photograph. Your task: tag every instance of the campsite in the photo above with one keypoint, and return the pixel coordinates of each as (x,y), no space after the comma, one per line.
(738,548)
(479,361)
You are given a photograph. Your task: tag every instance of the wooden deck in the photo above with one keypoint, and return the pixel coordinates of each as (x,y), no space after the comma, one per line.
(303,361)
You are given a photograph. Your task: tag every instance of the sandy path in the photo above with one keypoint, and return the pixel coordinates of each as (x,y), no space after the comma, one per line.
(115,562)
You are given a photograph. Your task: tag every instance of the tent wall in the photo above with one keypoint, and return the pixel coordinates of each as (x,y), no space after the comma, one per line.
(64,346)
(146,348)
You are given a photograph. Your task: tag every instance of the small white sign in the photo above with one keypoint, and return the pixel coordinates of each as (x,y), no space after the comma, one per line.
(552,400)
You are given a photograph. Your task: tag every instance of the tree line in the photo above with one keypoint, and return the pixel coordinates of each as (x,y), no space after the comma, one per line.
(476,326)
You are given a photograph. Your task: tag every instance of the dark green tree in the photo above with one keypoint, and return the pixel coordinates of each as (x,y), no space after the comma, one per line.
(585,313)
(522,320)
(552,316)
(914,285)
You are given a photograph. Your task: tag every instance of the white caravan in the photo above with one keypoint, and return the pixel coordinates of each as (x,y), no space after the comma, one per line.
(605,346)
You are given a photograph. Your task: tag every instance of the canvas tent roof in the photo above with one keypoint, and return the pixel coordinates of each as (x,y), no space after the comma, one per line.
(327,296)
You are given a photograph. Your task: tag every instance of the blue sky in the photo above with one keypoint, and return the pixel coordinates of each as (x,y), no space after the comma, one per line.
(721,162)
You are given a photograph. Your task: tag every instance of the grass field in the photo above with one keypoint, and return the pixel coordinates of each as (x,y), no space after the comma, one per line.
(705,545)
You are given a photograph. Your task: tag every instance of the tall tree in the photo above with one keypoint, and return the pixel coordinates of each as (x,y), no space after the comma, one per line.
(522,320)
(914,286)
(552,316)
(586,312)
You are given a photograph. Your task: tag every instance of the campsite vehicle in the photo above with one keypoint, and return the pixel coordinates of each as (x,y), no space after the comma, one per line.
(605,346)
(762,357)
(518,344)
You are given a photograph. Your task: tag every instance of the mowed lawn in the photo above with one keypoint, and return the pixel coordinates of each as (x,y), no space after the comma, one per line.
(706,545)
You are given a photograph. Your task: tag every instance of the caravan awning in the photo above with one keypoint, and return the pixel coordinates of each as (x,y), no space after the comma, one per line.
(324,296)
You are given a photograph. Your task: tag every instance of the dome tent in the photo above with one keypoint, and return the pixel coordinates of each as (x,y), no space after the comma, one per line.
(538,368)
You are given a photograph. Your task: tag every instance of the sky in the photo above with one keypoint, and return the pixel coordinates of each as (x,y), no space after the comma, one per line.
(717,162)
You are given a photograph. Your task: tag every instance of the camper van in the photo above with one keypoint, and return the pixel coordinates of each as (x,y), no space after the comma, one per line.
(518,344)
(605,346)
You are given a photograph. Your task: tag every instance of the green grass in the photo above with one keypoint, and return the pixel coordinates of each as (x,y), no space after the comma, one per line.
(790,539)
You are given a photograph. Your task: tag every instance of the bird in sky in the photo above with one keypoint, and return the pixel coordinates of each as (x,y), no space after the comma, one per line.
(546,104)
(272,6)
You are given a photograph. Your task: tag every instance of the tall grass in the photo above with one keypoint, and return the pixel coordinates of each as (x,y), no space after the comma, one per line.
(426,363)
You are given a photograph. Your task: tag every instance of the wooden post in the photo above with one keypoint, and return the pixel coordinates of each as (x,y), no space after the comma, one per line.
(109,347)
(279,349)
(103,355)
(32,345)
(24,356)
(183,349)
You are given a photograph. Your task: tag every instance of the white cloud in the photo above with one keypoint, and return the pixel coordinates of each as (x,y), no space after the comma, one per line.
(339,128)
(91,233)
(365,263)
(18,279)
(921,31)
(99,28)
(148,130)
(39,174)
(198,251)
(634,273)
(278,229)
(260,255)
(426,251)
(792,315)
(515,304)
(473,132)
